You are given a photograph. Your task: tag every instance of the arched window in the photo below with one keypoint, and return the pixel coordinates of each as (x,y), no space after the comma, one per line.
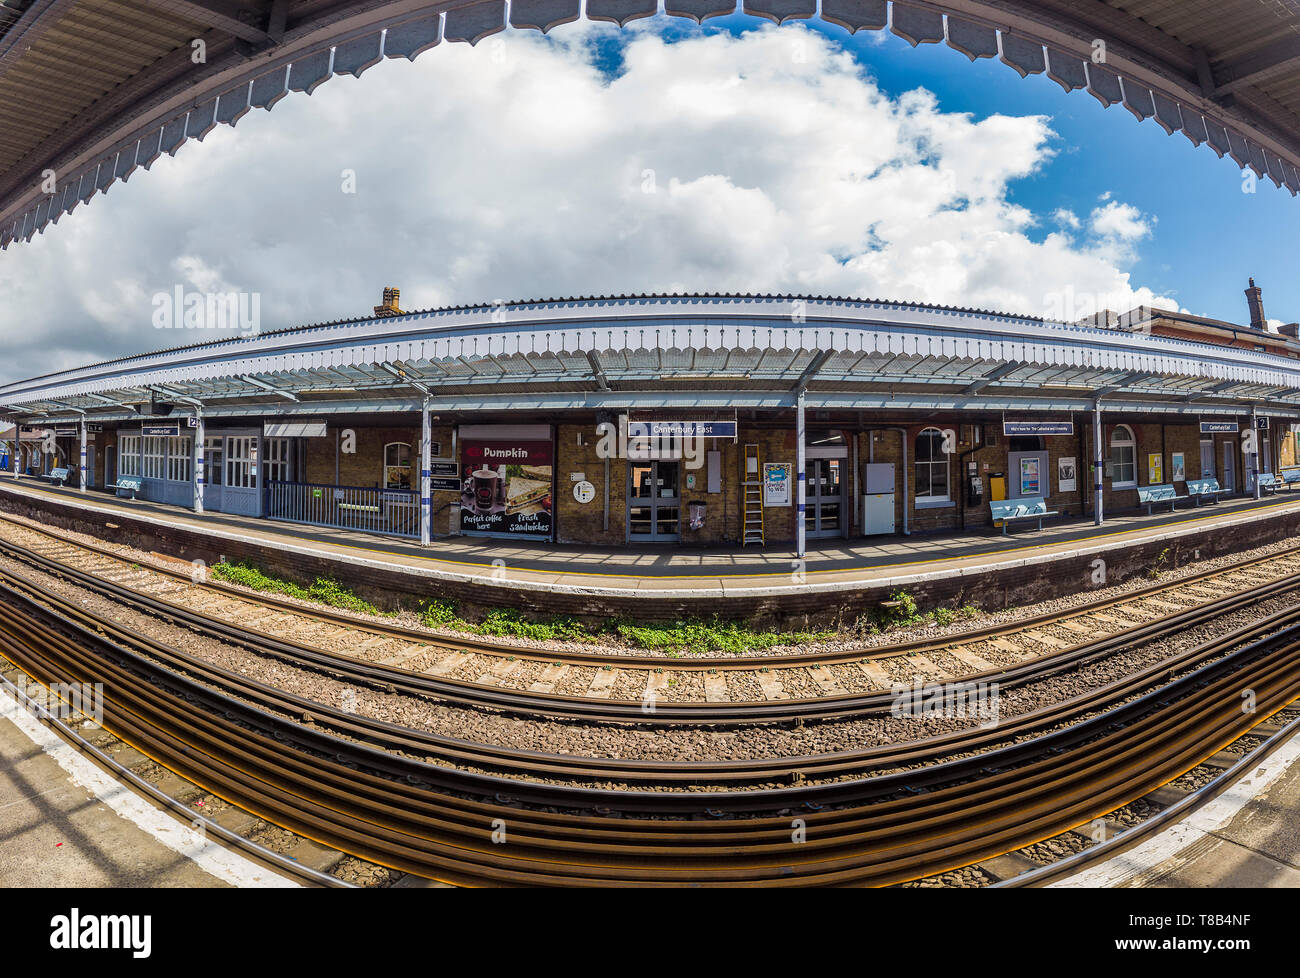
(1123,458)
(931,467)
(397,465)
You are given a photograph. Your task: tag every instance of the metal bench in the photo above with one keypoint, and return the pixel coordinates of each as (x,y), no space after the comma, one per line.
(1268,482)
(1150,496)
(1290,477)
(128,483)
(1199,489)
(57,475)
(1008,511)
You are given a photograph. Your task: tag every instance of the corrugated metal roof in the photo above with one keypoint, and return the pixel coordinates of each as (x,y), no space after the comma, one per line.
(699,343)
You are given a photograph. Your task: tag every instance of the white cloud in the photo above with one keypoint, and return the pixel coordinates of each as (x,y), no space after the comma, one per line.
(520,171)
(1120,222)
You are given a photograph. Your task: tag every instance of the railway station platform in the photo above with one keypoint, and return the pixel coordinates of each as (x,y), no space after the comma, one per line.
(837,578)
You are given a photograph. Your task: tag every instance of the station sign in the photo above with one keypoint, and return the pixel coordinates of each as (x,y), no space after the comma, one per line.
(1013,429)
(1261,424)
(172,430)
(1219,427)
(445,477)
(681,429)
(68,431)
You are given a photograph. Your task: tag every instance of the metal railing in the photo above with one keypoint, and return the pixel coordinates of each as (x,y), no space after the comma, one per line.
(395,512)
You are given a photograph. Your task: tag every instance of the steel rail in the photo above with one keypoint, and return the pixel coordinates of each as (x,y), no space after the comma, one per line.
(586,708)
(211,828)
(1132,837)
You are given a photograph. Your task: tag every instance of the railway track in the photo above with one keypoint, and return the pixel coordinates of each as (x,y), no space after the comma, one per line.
(1165,806)
(422,755)
(887,829)
(648,689)
(585,708)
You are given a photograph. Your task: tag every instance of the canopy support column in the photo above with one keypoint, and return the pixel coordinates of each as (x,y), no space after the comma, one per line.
(200,466)
(1098,465)
(1259,455)
(81,468)
(801,499)
(426,466)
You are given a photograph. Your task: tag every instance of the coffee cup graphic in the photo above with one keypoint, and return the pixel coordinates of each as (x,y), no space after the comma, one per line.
(485,489)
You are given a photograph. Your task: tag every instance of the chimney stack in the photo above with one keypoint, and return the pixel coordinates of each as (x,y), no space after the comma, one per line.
(389,308)
(1255,298)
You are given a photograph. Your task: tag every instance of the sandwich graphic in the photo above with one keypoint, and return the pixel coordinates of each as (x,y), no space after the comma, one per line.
(521,493)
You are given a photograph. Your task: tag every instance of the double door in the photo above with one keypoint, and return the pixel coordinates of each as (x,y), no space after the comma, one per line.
(654,502)
(824,498)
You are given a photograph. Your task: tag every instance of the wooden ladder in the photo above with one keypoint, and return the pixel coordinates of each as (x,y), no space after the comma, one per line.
(751,480)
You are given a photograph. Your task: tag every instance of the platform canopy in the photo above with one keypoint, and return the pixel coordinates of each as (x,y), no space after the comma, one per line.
(93,90)
(673,351)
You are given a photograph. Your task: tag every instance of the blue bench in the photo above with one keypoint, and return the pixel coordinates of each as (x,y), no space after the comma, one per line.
(128,483)
(1199,489)
(57,475)
(1290,477)
(1007,511)
(1268,482)
(1149,496)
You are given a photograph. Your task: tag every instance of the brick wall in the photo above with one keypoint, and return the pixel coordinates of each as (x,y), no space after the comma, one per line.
(365,466)
(392,587)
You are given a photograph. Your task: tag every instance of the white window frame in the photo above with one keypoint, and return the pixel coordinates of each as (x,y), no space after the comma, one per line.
(275,460)
(214,460)
(155,457)
(930,465)
(384,484)
(1131,444)
(128,456)
(241,462)
(179,458)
